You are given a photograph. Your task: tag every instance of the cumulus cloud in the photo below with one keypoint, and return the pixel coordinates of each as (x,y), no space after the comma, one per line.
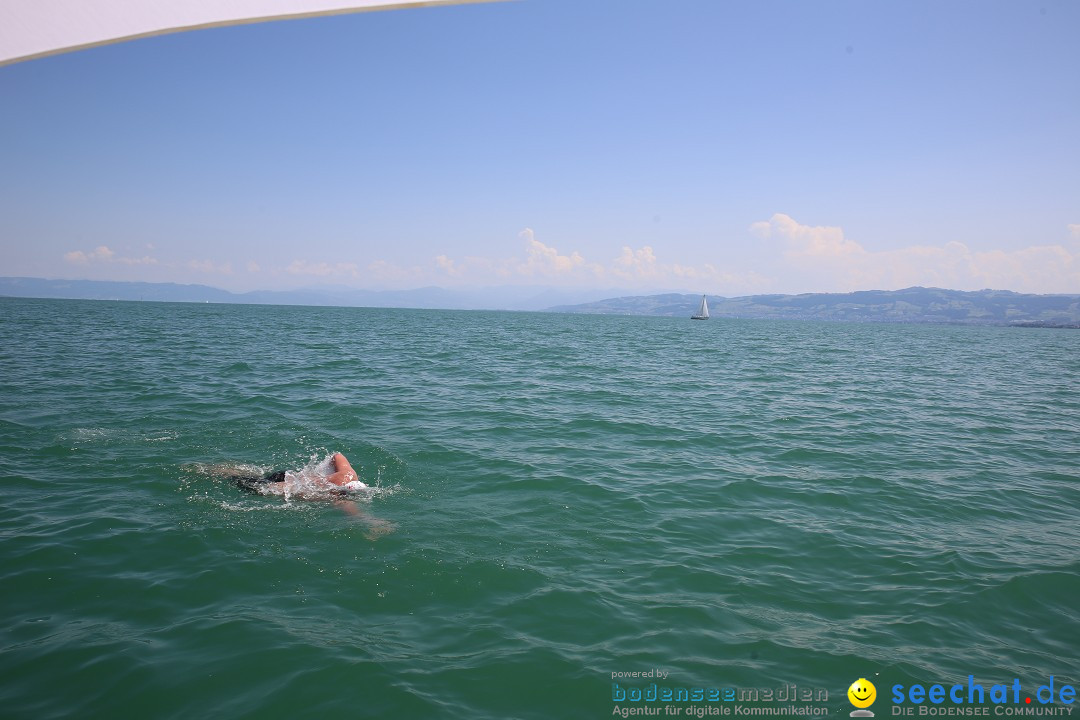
(102,254)
(1075,230)
(447,265)
(643,268)
(540,259)
(800,258)
(828,260)
(804,240)
(80,258)
(635,263)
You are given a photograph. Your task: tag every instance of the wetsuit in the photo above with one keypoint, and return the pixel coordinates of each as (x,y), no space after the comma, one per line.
(252,483)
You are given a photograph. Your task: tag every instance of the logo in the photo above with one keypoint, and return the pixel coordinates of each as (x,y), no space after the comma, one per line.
(862,695)
(943,699)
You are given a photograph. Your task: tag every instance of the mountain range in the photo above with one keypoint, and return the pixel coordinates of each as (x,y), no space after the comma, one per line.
(915,304)
(498,298)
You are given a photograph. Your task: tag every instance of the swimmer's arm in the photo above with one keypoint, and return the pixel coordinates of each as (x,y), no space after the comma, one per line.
(344,472)
(376,527)
(348,507)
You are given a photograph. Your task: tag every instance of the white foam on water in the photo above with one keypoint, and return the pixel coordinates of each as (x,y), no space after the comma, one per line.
(254,507)
(99,436)
(307,483)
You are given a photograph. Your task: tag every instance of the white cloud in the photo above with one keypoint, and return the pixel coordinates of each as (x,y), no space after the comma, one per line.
(643,268)
(102,254)
(541,259)
(447,265)
(804,240)
(828,261)
(1075,230)
(636,263)
(806,258)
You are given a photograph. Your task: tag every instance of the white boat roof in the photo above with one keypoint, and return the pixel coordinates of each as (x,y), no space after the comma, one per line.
(37,28)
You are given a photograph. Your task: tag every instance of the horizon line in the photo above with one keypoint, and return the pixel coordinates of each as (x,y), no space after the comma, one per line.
(566,289)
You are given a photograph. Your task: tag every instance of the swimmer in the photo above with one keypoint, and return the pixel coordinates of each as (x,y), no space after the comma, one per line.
(275,483)
(307,485)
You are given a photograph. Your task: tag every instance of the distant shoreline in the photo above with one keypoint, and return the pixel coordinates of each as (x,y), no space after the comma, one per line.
(910,305)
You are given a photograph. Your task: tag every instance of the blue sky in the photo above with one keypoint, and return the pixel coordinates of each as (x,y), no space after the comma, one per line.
(691,145)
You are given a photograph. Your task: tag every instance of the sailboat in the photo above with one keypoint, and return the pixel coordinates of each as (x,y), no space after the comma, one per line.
(703,311)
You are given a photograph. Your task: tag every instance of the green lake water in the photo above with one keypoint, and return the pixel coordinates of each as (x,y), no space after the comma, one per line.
(745,504)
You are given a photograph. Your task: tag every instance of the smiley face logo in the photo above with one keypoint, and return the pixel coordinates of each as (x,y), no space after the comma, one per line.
(862,693)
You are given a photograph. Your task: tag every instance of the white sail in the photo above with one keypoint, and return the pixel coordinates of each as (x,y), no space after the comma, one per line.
(36,28)
(703,310)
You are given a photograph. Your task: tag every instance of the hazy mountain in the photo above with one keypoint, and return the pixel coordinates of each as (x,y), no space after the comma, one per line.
(495,298)
(102,290)
(916,304)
